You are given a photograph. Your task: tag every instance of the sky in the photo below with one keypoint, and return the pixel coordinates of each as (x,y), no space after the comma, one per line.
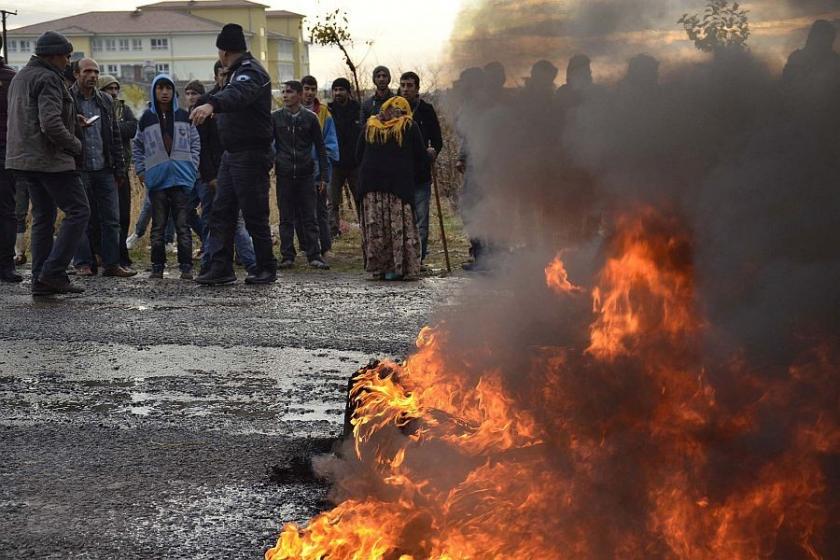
(417,36)
(413,40)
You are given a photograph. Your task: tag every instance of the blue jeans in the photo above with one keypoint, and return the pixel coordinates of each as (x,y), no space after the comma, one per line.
(101,189)
(241,240)
(145,218)
(422,196)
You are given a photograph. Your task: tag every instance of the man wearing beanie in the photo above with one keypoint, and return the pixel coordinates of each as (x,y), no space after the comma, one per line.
(247,135)
(42,149)
(381,79)
(346,114)
(127,123)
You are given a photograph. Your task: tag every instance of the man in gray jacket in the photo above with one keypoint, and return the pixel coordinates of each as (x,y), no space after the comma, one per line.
(42,148)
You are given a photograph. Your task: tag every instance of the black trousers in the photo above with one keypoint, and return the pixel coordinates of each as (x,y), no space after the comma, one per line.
(48,192)
(8,220)
(174,201)
(243,184)
(298,198)
(322,216)
(124,193)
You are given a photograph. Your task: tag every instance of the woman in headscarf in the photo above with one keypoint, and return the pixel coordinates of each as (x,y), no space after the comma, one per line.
(391,153)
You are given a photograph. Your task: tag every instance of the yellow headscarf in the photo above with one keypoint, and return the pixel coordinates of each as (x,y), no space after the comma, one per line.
(380,132)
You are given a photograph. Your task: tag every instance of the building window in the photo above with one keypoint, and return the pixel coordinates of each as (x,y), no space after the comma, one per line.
(123,44)
(110,44)
(162,67)
(137,44)
(286,50)
(96,44)
(160,44)
(25,46)
(12,46)
(112,69)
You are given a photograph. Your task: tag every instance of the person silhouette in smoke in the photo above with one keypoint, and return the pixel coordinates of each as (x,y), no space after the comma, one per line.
(579,85)
(467,90)
(539,86)
(642,75)
(495,78)
(812,74)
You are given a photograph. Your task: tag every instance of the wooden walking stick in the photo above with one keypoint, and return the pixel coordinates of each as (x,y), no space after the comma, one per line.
(440,218)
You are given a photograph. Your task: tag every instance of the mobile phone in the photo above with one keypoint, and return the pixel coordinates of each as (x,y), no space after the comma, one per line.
(92,119)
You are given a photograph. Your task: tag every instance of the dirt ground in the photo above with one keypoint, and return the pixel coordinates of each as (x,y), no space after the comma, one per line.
(144,418)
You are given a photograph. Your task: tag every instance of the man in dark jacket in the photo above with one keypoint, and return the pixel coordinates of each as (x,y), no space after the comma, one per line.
(8,222)
(128,128)
(426,118)
(296,132)
(346,115)
(381,79)
(102,163)
(41,147)
(244,109)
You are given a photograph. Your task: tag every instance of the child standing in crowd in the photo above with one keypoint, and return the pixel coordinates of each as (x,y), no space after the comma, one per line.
(296,132)
(166,153)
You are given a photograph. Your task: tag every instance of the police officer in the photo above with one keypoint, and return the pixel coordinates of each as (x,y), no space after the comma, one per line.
(244,108)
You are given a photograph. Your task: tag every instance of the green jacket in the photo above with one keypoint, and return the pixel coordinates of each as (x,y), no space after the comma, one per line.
(42,121)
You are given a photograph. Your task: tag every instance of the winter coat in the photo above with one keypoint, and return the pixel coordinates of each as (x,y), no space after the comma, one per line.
(42,121)
(327,123)
(427,119)
(244,106)
(128,128)
(294,138)
(348,125)
(162,170)
(110,129)
(372,105)
(390,167)
(211,150)
(6,75)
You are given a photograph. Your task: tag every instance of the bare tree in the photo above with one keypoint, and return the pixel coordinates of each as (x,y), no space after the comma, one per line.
(332,30)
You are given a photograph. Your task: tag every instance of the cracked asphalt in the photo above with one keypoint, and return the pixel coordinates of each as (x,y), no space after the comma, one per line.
(143,418)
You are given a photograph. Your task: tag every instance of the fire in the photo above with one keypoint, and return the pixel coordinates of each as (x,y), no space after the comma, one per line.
(627,445)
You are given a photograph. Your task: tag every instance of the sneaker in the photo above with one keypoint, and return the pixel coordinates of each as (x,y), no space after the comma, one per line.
(262,277)
(20,259)
(212,278)
(319,264)
(119,272)
(171,248)
(84,270)
(156,275)
(131,241)
(186,275)
(286,264)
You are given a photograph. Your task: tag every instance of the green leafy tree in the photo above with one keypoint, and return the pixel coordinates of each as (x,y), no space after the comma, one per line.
(722,27)
(332,30)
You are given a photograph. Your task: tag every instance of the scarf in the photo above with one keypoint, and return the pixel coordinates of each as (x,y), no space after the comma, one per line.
(380,132)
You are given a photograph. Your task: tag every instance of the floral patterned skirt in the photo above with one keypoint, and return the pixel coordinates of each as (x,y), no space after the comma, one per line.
(390,242)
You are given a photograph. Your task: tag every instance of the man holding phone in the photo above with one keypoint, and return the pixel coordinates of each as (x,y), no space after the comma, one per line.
(102,162)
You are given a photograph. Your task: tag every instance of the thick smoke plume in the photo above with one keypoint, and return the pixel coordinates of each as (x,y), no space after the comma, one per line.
(649,366)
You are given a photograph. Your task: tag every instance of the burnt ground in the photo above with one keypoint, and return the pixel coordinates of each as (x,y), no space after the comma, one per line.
(144,419)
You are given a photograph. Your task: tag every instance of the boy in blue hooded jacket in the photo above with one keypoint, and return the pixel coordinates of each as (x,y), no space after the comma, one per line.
(166,151)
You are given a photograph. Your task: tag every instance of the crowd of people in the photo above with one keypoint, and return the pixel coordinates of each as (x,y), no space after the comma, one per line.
(204,159)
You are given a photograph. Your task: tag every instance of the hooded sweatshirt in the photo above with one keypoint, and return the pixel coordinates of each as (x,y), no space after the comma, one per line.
(166,148)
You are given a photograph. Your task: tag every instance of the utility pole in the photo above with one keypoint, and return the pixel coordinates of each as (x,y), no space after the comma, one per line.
(5,43)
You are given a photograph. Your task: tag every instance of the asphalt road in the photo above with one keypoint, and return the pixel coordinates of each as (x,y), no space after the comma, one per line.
(144,418)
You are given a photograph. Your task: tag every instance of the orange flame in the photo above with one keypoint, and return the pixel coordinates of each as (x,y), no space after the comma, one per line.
(622,449)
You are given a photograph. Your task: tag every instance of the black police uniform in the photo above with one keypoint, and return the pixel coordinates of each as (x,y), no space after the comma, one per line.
(244,109)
